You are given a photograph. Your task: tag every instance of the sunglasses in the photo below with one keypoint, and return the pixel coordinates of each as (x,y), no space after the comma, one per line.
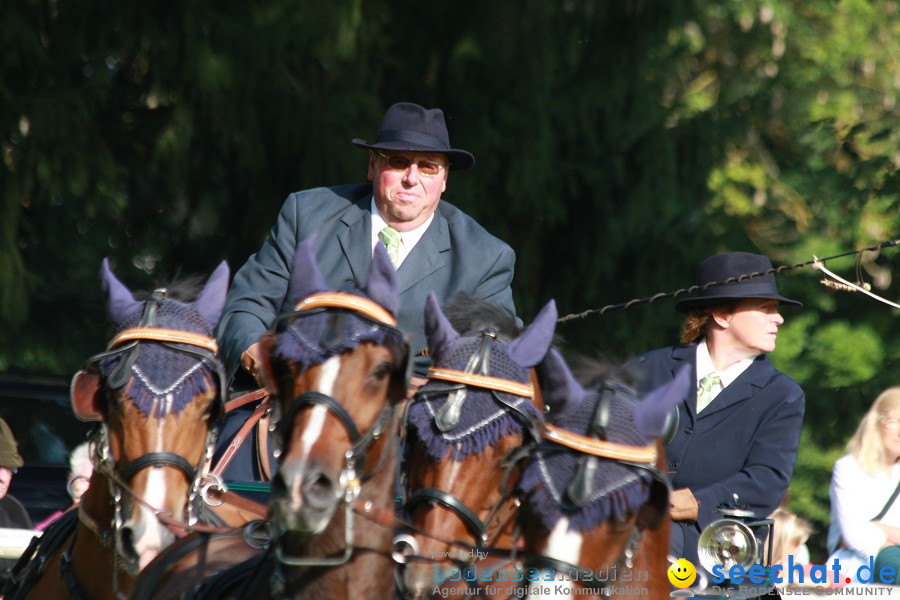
(889,423)
(398,162)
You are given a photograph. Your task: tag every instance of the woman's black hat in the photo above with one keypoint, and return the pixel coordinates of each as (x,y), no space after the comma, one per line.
(749,276)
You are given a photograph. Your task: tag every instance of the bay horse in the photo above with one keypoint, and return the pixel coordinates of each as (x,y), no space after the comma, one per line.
(476,410)
(595,493)
(156,393)
(338,370)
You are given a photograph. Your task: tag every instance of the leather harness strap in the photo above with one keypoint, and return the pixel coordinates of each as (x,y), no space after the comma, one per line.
(238,439)
(244,399)
(483,381)
(262,447)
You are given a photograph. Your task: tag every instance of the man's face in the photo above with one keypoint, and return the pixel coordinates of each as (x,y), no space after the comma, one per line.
(406,197)
(6,475)
(753,326)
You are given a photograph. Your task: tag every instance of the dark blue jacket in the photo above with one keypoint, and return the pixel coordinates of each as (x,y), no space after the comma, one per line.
(744,443)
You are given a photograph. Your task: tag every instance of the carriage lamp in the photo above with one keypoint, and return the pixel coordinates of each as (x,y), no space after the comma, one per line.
(738,538)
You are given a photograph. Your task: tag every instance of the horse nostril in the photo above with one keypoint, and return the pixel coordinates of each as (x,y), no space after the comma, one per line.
(278,485)
(319,490)
(126,541)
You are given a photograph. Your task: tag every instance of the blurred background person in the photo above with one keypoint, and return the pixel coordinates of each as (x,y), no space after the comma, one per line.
(789,535)
(12,514)
(865,515)
(81,467)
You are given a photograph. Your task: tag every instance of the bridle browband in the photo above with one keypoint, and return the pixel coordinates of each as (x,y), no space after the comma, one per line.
(357,304)
(526,390)
(600,448)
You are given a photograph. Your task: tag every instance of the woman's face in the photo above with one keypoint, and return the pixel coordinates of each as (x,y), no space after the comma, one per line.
(889,426)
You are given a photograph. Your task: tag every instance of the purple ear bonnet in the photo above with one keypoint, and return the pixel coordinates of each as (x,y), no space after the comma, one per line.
(164,379)
(468,419)
(120,304)
(314,337)
(651,414)
(614,489)
(382,284)
(559,389)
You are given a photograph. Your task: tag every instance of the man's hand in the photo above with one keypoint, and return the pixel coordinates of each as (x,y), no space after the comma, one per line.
(251,361)
(683,505)
(414,384)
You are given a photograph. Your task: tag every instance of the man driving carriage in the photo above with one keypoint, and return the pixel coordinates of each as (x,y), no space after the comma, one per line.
(435,247)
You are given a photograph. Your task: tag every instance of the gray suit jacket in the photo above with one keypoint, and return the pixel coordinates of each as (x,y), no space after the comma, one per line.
(454,255)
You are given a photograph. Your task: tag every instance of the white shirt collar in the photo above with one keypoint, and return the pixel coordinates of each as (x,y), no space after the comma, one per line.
(408,239)
(705,366)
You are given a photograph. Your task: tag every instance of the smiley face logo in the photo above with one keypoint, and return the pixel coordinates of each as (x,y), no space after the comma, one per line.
(682,573)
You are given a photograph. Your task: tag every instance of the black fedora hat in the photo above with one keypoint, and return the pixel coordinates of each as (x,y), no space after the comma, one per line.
(409,127)
(736,268)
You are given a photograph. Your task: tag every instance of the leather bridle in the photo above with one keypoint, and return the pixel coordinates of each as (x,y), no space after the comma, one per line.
(459,380)
(125,346)
(593,447)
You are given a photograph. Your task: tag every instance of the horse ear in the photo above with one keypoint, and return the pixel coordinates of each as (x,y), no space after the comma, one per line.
(306,279)
(211,300)
(439,333)
(529,349)
(651,413)
(382,283)
(560,390)
(120,304)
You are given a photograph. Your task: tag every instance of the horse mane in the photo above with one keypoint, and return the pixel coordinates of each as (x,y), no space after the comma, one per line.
(182,289)
(469,314)
(593,371)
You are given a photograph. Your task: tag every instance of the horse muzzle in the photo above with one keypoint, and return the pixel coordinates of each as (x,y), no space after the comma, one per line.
(304,500)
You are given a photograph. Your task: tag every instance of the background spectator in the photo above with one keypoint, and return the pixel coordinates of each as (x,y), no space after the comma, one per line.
(12,513)
(865,516)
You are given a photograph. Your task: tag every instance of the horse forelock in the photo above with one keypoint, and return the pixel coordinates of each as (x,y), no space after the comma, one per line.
(618,489)
(165,380)
(483,420)
(468,314)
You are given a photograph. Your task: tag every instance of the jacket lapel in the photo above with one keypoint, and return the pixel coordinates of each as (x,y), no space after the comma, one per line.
(359,228)
(742,388)
(682,355)
(428,255)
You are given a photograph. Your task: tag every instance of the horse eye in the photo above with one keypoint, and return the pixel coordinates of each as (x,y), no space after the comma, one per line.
(382,370)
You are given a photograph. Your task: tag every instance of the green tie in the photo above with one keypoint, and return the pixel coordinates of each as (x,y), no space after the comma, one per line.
(390,237)
(704,394)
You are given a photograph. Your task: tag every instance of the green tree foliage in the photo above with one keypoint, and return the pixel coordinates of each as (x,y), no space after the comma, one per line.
(618,143)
